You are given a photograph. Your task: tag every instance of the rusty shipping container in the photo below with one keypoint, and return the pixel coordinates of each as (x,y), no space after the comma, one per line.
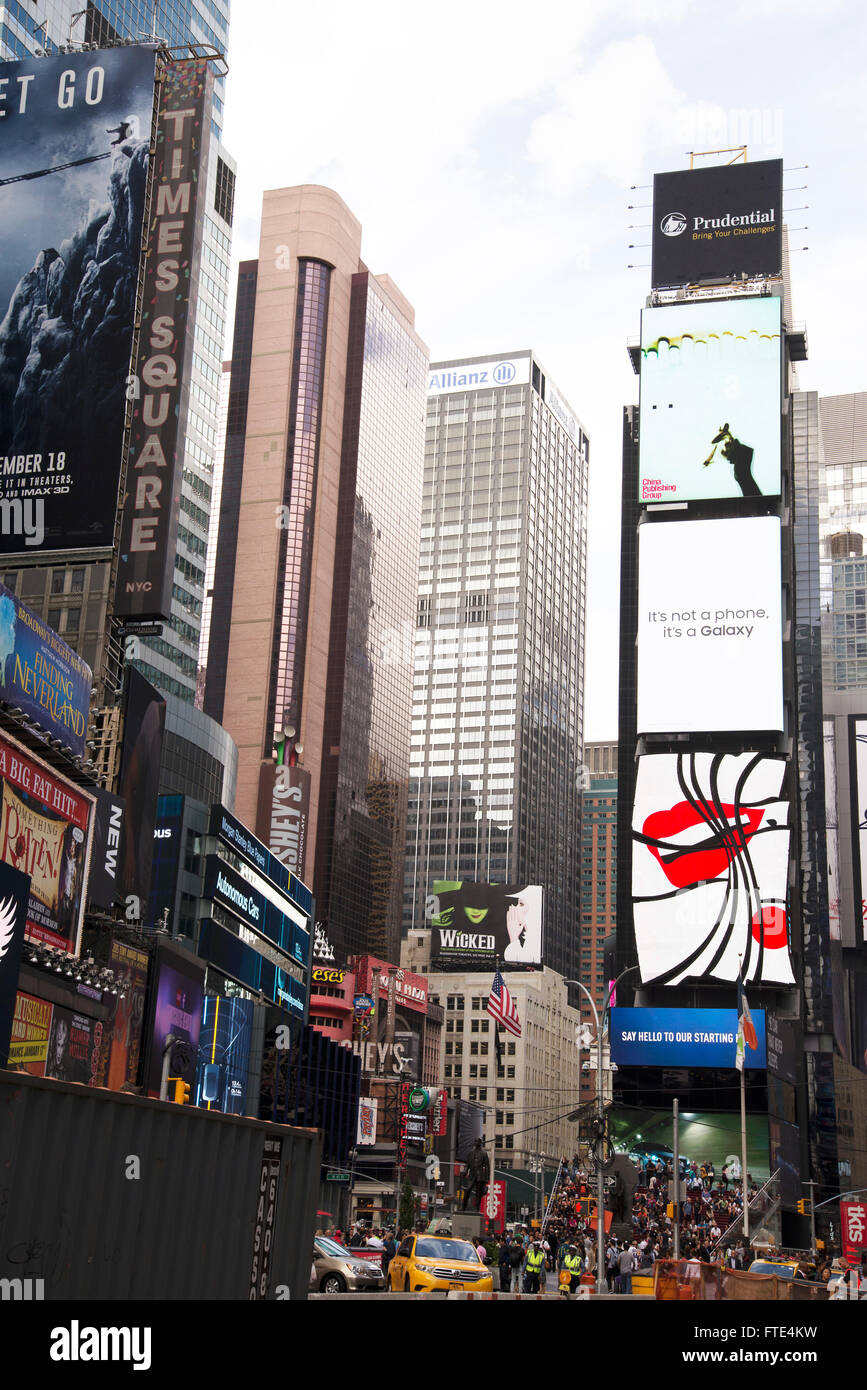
(105,1195)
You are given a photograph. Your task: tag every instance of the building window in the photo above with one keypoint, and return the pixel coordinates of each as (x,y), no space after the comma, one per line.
(224,194)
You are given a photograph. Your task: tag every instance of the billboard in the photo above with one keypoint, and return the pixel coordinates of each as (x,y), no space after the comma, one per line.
(682,1038)
(151,499)
(49,1040)
(224,1054)
(143,727)
(711,390)
(14,894)
(710,644)
(858,783)
(718,223)
(177,993)
(710,859)
(102,882)
(122,1031)
(283,812)
(76,134)
(474,923)
(45,824)
(40,674)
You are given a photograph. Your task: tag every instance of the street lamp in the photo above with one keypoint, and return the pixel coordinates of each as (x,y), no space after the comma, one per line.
(600,1112)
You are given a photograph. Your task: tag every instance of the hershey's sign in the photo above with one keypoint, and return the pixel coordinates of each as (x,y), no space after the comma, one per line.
(282,813)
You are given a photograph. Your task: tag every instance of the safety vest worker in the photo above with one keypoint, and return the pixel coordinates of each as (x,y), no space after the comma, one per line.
(572,1263)
(535,1260)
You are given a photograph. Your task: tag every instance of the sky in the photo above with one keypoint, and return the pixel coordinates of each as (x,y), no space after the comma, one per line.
(500,156)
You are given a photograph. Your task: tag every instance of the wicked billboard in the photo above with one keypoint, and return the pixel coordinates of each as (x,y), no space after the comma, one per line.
(719,223)
(76,134)
(45,825)
(473,924)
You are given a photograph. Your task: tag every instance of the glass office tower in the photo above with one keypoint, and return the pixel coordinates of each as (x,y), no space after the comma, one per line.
(74,599)
(499,664)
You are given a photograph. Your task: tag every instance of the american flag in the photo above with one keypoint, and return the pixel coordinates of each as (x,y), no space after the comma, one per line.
(501,1006)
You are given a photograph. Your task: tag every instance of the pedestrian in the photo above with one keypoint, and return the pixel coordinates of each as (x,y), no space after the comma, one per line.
(534,1267)
(504,1261)
(389,1250)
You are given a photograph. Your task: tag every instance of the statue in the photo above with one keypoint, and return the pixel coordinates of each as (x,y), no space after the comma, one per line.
(477,1172)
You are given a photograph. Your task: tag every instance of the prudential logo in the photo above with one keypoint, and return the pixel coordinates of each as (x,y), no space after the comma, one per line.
(673,224)
(503,373)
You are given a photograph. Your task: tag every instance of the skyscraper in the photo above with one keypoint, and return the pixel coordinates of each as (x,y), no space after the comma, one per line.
(499,665)
(598,877)
(75,598)
(317,560)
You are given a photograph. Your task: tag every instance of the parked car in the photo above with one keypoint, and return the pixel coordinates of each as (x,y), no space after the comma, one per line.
(426,1262)
(336,1269)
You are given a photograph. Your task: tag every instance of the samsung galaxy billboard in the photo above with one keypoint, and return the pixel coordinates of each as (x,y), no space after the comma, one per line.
(710,654)
(76,134)
(711,391)
(719,223)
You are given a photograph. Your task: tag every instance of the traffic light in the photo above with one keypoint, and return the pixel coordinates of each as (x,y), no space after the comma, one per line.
(802,1206)
(182,1090)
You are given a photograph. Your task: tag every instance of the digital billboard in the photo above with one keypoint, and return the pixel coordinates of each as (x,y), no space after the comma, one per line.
(143,728)
(474,923)
(76,134)
(682,1038)
(710,859)
(858,783)
(152,495)
(175,1007)
(40,674)
(719,223)
(710,644)
(711,392)
(45,826)
(224,1054)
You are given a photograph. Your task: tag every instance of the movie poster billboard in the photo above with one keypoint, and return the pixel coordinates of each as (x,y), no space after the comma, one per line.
(41,675)
(473,924)
(710,632)
(14,895)
(722,222)
(76,134)
(49,1040)
(154,469)
(711,394)
(175,1007)
(122,1030)
(710,862)
(45,824)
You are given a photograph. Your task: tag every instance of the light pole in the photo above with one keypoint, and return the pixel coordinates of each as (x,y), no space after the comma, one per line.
(600,1113)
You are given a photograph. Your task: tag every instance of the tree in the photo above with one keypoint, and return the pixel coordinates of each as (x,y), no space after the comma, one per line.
(406,1214)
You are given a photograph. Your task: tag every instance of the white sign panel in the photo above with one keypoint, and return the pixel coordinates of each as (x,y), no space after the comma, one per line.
(710,858)
(710,626)
(479,376)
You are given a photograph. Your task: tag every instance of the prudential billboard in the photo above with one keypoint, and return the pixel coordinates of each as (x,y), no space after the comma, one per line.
(720,223)
(76,132)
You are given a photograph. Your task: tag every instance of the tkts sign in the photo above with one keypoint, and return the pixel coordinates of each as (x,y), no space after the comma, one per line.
(160,385)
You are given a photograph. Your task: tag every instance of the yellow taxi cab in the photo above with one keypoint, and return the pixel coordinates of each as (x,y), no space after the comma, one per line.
(425,1263)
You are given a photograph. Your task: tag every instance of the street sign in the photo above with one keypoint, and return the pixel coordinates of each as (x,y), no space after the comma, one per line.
(337,1177)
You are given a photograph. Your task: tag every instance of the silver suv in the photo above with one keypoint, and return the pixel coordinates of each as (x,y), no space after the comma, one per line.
(336,1269)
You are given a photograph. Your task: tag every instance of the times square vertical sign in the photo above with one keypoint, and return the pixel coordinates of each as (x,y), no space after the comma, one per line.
(159,385)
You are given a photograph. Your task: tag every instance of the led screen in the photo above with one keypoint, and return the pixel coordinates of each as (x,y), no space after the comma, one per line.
(476,924)
(710,858)
(710,400)
(709,626)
